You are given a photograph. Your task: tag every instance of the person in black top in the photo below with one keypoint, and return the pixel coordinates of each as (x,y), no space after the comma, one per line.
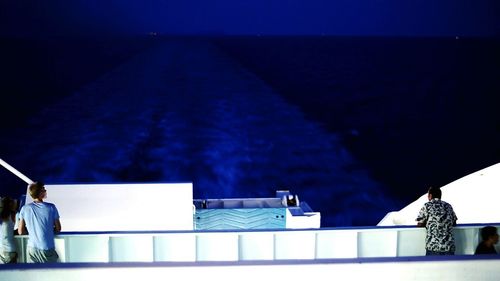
(489,237)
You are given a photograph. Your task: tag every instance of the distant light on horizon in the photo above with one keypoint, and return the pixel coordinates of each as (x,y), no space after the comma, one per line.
(258,17)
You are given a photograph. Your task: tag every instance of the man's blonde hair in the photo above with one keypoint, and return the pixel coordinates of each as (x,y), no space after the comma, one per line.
(35,189)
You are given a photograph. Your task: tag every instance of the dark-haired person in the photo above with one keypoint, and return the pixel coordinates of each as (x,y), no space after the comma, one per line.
(489,236)
(42,221)
(8,253)
(438,217)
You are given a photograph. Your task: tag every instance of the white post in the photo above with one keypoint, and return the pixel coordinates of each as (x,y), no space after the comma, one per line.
(15,172)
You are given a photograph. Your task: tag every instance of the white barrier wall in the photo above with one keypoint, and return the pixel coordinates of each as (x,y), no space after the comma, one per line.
(458,194)
(204,246)
(122,207)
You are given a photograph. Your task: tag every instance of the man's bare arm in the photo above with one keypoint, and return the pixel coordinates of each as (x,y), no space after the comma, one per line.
(57,226)
(21,227)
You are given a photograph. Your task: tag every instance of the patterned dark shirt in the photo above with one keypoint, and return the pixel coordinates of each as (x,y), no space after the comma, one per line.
(440,219)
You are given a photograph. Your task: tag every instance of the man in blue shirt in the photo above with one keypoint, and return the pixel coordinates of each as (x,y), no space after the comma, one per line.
(41,219)
(438,218)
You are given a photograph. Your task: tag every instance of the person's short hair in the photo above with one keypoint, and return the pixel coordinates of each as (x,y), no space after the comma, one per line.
(488,231)
(35,189)
(435,192)
(6,207)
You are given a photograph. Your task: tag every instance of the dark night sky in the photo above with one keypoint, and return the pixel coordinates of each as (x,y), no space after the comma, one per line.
(315,17)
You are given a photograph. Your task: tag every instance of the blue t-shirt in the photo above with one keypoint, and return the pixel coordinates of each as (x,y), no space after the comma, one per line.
(39,219)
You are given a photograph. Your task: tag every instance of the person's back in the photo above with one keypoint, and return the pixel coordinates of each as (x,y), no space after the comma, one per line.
(42,221)
(8,252)
(39,218)
(439,219)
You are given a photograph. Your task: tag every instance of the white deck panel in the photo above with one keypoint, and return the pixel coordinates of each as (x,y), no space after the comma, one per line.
(122,207)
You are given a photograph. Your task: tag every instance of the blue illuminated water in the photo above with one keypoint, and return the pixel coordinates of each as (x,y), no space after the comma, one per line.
(357,127)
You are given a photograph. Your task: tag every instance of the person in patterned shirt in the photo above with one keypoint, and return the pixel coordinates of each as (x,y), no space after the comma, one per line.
(438,217)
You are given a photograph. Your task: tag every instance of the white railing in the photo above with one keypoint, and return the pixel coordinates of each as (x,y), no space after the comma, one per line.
(266,245)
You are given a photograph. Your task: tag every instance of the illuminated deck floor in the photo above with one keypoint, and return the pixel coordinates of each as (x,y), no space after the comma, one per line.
(454,268)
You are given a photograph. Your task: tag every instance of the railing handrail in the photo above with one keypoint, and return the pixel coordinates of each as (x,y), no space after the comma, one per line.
(399,227)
